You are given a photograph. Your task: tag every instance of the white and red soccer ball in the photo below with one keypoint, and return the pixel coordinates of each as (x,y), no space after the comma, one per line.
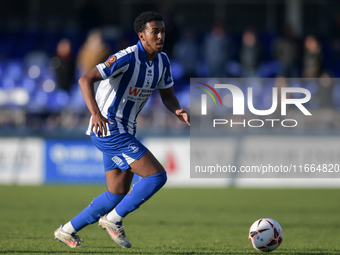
(265,234)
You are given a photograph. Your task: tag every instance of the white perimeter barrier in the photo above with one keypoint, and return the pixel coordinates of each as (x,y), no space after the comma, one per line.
(23,160)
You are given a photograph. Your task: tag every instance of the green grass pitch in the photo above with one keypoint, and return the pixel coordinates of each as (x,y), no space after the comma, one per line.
(174,221)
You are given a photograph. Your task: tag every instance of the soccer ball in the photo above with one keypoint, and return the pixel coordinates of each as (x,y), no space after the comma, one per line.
(265,234)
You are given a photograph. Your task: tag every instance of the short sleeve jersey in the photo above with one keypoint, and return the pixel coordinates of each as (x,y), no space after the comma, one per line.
(129,78)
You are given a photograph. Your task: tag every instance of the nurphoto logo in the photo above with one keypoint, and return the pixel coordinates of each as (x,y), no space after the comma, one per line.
(238,105)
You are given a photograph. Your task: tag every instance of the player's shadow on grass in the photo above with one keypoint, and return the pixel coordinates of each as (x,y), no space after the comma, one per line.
(138,251)
(159,252)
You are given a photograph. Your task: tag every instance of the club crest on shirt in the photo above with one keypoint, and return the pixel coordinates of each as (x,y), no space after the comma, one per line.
(133,147)
(110,61)
(148,82)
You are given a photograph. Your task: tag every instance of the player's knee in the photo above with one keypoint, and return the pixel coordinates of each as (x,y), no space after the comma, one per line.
(161,178)
(165,178)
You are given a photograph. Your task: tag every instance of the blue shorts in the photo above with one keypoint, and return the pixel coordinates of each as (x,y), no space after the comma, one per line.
(119,150)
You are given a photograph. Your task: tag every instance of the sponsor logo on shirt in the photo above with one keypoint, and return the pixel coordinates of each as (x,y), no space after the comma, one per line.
(134,91)
(141,93)
(145,93)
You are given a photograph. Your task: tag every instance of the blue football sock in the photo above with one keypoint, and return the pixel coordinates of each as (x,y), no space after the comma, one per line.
(99,206)
(141,191)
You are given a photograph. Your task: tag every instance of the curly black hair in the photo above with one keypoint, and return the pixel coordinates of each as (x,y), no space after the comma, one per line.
(144,18)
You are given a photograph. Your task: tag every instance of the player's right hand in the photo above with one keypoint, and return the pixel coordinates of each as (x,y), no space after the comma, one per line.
(183,116)
(99,124)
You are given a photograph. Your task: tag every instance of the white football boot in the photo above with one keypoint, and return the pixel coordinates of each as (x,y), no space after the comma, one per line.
(71,240)
(116,232)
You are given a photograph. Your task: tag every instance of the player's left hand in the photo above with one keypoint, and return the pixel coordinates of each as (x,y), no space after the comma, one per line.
(99,124)
(183,116)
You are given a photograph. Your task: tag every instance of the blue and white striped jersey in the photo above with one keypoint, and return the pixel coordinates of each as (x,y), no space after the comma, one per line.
(129,78)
